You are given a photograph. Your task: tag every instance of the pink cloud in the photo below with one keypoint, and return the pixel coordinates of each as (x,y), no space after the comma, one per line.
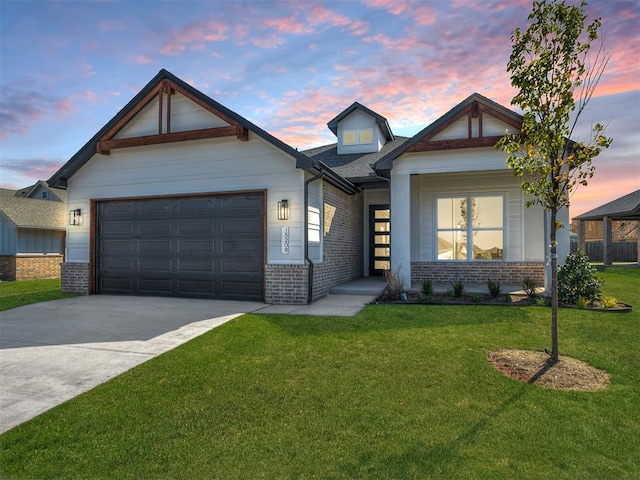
(26,171)
(195,32)
(287,25)
(20,109)
(143,59)
(424,15)
(394,7)
(322,15)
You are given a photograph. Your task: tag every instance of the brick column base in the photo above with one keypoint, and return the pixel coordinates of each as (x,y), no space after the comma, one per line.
(75,278)
(286,284)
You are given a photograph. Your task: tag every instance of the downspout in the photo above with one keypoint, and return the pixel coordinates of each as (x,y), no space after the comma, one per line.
(306,234)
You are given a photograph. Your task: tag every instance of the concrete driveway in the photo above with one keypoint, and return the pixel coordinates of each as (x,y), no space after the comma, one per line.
(51,352)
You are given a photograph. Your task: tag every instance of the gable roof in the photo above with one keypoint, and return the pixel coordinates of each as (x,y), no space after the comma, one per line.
(59,179)
(28,192)
(380,120)
(627,206)
(504,114)
(34,213)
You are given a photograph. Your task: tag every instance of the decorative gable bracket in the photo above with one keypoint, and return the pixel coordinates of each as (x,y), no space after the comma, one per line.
(164,91)
(475,136)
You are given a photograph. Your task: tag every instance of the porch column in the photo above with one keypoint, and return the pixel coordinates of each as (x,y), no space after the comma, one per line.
(582,236)
(638,242)
(400,205)
(607,241)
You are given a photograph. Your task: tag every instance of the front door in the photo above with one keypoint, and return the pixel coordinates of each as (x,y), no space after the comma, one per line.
(379,239)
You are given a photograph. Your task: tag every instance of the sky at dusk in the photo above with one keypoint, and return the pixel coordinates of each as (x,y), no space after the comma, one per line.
(67,67)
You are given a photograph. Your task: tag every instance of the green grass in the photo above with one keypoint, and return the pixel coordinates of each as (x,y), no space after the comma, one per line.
(24,292)
(396,392)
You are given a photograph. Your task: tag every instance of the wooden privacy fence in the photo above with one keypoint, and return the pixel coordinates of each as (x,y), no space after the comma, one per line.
(621,251)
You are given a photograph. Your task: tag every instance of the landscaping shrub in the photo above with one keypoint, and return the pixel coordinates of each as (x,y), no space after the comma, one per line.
(458,288)
(427,287)
(395,283)
(577,278)
(494,288)
(529,286)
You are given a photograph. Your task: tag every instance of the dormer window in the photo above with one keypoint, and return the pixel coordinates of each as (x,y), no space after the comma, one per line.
(363,136)
(44,195)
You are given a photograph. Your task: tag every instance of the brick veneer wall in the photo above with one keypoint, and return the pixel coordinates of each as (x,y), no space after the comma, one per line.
(30,267)
(286,284)
(8,267)
(75,278)
(342,242)
(477,272)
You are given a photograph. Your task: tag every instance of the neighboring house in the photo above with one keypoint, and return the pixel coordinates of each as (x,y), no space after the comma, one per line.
(614,222)
(179,195)
(32,231)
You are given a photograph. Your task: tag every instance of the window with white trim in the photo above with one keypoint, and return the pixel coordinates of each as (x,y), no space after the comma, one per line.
(470,227)
(313,225)
(361,136)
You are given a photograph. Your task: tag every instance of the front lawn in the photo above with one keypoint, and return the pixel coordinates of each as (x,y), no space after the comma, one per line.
(24,292)
(395,392)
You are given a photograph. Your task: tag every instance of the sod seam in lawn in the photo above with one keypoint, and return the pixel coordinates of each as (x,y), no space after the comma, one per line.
(395,392)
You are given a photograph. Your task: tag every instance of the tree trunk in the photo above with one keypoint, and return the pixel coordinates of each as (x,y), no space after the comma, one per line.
(555,355)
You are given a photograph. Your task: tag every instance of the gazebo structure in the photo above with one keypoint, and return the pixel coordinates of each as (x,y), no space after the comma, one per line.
(626,208)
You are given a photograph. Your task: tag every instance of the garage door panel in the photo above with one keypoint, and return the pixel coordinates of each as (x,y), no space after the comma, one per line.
(240,247)
(155,228)
(116,284)
(196,227)
(156,264)
(155,286)
(231,287)
(154,207)
(118,228)
(196,205)
(117,247)
(116,263)
(206,247)
(241,226)
(191,287)
(191,265)
(116,208)
(196,247)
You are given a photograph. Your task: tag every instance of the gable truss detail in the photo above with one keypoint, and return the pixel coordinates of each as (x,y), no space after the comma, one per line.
(164,90)
(474,111)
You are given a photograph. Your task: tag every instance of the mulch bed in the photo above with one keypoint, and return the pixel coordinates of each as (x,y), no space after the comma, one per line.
(536,368)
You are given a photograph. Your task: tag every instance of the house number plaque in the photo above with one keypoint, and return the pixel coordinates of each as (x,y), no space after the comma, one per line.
(284,240)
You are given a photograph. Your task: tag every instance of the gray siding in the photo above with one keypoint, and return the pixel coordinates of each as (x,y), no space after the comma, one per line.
(8,237)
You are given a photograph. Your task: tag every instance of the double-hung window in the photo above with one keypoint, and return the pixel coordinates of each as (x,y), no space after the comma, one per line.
(470,227)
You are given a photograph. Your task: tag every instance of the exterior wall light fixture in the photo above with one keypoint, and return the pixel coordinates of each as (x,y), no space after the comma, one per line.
(283,210)
(75,216)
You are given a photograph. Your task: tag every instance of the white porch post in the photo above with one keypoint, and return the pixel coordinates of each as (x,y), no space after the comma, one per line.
(401,225)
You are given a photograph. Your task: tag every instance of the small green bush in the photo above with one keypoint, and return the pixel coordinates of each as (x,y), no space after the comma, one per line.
(458,288)
(427,287)
(477,297)
(583,302)
(529,286)
(577,278)
(494,288)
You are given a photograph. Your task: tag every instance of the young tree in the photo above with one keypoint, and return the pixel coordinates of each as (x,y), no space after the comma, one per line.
(556,73)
